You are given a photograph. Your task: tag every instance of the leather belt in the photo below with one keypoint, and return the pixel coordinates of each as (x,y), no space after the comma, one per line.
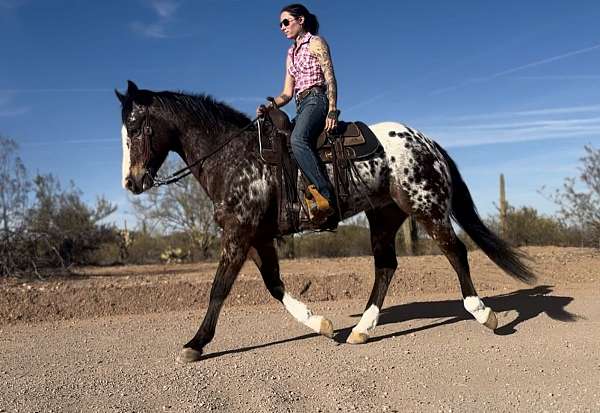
(302,95)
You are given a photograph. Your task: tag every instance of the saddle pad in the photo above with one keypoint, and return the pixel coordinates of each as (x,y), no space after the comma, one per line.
(369,147)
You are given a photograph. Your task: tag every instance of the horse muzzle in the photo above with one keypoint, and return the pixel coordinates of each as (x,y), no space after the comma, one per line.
(140,183)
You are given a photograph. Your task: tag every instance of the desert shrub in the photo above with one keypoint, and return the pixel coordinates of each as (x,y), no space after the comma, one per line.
(525,226)
(348,240)
(66,223)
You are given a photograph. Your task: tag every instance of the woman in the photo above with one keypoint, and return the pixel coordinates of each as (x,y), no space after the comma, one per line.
(310,78)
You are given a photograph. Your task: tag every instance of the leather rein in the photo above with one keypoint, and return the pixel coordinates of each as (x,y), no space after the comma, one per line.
(187,170)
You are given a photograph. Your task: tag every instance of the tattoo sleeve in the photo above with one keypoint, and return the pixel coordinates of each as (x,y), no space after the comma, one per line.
(320,49)
(282,99)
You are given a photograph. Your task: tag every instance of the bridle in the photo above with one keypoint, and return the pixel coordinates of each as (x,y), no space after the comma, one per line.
(146,134)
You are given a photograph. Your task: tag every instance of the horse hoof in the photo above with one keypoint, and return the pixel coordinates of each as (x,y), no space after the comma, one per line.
(357,338)
(189,355)
(492,321)
(326,328)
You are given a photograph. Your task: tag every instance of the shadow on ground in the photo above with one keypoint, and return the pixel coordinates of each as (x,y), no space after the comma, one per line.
(528,303)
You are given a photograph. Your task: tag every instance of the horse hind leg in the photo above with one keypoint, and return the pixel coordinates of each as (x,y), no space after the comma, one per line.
(456,252)
(264,255)
(384,224)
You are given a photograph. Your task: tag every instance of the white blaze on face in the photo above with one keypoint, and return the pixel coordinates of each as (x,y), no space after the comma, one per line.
(126,155)
(368,321)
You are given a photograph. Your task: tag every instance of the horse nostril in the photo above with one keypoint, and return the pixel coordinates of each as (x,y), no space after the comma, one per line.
(129,183)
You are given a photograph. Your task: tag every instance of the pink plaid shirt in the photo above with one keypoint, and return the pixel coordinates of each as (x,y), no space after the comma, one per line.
(304,67)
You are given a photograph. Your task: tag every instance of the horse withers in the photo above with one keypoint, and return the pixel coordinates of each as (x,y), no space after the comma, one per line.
(413,175)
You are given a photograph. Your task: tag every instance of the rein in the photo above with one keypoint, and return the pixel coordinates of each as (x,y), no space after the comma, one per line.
(183,172)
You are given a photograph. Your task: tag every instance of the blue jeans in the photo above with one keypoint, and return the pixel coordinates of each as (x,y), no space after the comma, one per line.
(309,123)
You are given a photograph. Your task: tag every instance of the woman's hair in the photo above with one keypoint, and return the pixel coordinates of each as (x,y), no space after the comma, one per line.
(311,24)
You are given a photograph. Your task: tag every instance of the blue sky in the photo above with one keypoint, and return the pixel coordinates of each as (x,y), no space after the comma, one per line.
(507,87)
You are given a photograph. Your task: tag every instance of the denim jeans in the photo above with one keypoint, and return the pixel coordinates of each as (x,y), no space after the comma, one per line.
(309,123)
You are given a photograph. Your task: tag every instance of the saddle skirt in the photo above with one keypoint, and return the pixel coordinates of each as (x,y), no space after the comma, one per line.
(358,141)
(350,142)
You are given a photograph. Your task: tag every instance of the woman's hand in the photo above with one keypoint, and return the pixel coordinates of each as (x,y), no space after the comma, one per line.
(330,124)
(331,121)
(260,111)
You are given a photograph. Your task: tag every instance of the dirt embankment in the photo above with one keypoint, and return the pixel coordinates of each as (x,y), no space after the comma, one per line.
(143,289)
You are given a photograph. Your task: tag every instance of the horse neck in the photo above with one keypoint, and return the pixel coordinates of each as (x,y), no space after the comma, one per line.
(216,147)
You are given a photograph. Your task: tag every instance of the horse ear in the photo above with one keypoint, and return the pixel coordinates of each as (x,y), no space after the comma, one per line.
(120,96)
(131,88)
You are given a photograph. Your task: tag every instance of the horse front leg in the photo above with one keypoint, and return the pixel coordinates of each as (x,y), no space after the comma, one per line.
(264,255)
(234,251)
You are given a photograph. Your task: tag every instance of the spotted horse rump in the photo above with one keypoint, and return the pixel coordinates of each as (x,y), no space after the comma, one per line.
(412,176)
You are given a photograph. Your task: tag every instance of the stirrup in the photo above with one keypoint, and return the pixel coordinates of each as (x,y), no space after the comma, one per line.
(319,208)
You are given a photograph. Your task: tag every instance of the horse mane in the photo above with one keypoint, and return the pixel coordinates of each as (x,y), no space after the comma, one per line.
(201,108)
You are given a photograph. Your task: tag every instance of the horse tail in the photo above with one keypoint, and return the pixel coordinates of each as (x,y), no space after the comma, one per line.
(465,213)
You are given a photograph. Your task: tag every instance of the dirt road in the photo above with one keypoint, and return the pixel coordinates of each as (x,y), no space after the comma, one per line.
(426,354)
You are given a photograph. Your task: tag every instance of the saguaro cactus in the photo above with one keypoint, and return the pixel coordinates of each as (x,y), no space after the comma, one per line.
(503,207)
(409,229)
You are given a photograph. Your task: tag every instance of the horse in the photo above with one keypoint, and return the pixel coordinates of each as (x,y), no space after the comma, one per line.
(413,175)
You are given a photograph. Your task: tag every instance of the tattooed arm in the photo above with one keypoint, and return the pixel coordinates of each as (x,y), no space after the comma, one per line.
(318,47)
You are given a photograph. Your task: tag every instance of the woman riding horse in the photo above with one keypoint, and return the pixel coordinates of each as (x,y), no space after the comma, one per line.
(310,77)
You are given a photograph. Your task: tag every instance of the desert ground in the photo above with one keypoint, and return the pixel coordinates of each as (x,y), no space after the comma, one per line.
(107,339)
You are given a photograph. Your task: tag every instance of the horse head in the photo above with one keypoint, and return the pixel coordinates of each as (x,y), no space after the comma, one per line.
(145,138)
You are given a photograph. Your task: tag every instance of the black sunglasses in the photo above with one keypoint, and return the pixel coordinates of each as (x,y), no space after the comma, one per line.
(285,22)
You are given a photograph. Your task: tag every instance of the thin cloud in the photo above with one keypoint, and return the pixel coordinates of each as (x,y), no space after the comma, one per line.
(456,141)
(152,30)
(7,113)
(366,101)
(559,77)
(11,4)
(551,123)
(473,135)
(534,125)
(243,99)
(165,11)
(56,90)
(6,110)
(164,8)
(69,142)
(514,69)
(523,113)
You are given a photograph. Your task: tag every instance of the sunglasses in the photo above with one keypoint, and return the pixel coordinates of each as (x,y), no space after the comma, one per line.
(285,22)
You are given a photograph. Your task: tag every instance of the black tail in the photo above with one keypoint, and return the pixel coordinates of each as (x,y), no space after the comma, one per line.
(465,213)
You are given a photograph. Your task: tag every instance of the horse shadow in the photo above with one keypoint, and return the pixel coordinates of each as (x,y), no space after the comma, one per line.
(528,303)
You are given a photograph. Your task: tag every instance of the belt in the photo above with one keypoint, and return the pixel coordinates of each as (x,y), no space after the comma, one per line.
(302,95)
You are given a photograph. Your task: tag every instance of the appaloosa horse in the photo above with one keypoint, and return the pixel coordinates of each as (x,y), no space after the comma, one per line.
(413,176)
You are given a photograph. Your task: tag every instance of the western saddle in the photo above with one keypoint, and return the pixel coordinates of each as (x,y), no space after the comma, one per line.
(351,141)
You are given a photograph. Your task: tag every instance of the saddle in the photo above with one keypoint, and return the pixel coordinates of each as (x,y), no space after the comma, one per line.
(350,142)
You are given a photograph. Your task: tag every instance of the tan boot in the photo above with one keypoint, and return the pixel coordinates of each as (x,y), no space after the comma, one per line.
(319,208)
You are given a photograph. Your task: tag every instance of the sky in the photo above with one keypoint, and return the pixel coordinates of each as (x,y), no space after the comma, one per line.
(508,87)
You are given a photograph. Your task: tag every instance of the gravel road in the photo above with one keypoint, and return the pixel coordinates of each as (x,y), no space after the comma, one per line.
(425,356)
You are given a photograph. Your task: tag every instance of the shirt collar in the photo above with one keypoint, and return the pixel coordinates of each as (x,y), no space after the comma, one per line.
(304,39)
